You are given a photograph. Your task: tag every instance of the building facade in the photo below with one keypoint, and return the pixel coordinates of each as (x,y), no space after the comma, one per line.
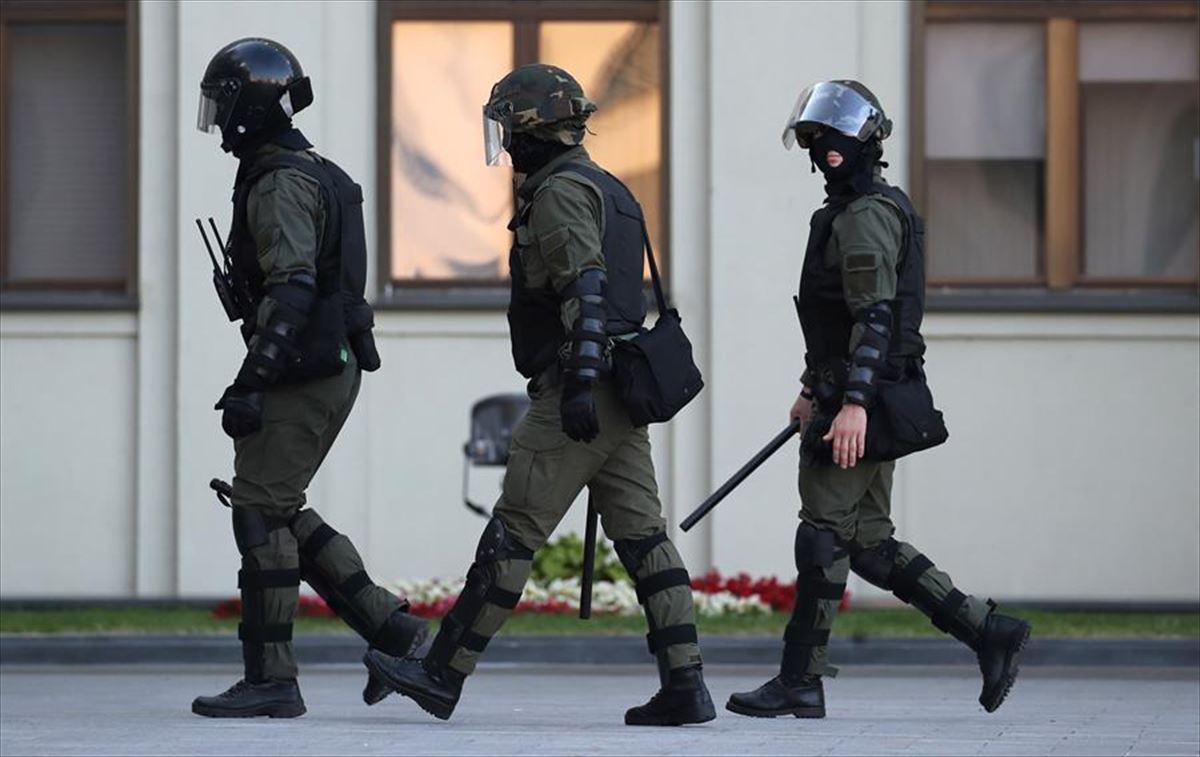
(1052,145)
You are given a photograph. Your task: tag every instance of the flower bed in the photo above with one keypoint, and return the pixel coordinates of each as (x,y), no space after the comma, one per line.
(713,595)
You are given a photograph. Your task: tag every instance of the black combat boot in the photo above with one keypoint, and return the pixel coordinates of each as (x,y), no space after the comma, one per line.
(245,699)
(999,651)
(682,699)
(436,689)
(401,635)
(785,694)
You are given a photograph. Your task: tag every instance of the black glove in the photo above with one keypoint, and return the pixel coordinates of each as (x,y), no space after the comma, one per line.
(578,410)
(241,408)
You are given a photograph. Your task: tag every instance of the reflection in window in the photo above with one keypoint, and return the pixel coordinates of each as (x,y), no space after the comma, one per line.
(1141,150)
(617,63)
(985,146)
(449,209)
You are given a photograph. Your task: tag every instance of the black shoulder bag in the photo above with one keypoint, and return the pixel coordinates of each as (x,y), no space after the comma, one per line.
(654,371)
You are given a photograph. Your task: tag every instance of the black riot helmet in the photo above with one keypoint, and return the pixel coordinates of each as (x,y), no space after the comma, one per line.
(251,86)
(844,105)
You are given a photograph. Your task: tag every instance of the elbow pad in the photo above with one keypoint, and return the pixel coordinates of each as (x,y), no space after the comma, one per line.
(276,343)
(588,337)
(869,357)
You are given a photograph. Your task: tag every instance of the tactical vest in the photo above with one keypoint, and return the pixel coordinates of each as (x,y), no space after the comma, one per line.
(342,260)
(825,316)
(535,315)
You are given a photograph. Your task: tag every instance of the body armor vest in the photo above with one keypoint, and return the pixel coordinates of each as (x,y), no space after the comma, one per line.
(342,260)
(534,315)
(825,317)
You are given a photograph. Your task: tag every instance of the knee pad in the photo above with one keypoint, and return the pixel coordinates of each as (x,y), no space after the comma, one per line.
(875,564)
(251,528)
(631,552)
(496,544)
(815,548)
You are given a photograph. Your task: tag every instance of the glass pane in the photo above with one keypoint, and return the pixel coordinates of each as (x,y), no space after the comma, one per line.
(985,133)
(1113,52)
(449,209)
(985,91)
(67,204)
(984,218)
(617,62)
(1141,132)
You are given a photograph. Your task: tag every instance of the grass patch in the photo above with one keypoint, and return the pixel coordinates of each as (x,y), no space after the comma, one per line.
(862,623)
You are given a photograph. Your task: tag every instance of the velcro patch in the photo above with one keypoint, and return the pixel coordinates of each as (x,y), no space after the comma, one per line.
(861,261)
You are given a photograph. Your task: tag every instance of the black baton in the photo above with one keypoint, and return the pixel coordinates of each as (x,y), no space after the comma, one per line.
(743,473)
(589,563)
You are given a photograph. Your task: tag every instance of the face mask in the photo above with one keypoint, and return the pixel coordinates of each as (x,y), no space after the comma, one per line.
(849,148)
(529,153)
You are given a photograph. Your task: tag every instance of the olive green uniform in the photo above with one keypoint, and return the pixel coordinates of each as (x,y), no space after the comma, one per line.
(547,470)
(855,503)
(286,214)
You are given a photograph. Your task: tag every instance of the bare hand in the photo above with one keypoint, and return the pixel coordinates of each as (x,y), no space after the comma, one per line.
(848,435)
(802,409)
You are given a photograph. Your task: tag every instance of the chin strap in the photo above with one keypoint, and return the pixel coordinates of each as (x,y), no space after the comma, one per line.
(276,339)
(874,327)
(588,338)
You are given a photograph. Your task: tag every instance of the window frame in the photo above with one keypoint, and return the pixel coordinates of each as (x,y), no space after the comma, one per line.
(525,15)
(1061,282)
(74,294)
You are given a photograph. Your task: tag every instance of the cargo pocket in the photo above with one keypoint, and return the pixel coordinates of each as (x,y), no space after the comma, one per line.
(533,462)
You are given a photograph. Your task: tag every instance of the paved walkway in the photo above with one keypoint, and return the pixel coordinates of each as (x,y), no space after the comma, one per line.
(577,710)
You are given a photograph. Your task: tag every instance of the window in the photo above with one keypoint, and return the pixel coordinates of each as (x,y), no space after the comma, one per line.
(1058,145)
(67,149)
(443,212)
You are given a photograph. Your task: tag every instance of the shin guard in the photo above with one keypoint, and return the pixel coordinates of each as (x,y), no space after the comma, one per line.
(331,565)
(269,582)
(821,570)
(664,591)
(492,591)
(912,577)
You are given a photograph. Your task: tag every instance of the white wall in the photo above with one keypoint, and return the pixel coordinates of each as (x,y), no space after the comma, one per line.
(67,451)
(1070,473)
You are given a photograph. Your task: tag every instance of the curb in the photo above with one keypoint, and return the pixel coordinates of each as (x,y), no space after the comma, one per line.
(65,649)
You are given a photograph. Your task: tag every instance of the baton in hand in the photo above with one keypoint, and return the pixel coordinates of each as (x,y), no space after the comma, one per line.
(743,473)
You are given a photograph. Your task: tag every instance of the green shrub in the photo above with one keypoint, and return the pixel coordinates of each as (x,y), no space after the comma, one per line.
(563,558)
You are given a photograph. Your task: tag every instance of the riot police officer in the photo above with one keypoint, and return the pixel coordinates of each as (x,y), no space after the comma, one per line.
(298,272)
(576,269)
(861,301)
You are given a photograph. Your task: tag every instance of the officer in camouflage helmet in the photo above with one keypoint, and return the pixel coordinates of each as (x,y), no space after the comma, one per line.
(576,286)
(861,301)
(299,266)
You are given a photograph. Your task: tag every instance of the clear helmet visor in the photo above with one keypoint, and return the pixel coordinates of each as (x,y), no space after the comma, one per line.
(206,114)
(495,144)
(830,105)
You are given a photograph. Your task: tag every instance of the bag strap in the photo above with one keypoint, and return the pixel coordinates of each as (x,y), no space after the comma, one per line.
(654,278)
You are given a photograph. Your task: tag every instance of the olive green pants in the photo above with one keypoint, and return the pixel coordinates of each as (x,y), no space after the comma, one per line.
(854,504)
(547,471)
(273,468)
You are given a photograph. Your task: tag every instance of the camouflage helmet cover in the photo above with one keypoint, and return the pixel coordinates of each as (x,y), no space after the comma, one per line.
(541,100)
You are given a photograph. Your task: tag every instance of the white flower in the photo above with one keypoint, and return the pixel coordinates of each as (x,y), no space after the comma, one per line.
(613,597)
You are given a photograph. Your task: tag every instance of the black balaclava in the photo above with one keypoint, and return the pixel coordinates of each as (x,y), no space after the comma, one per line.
(855,175)
(530,154)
